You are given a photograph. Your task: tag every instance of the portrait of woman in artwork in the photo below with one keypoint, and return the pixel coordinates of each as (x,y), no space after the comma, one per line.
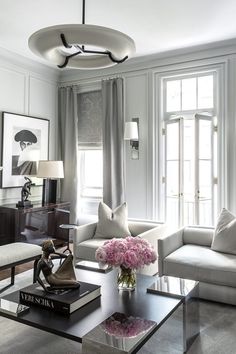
(25,156)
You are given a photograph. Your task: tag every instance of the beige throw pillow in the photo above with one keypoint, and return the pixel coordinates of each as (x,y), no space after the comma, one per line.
(112,223)
(224,239)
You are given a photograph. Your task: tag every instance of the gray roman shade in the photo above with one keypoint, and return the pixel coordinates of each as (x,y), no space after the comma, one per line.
(90,119)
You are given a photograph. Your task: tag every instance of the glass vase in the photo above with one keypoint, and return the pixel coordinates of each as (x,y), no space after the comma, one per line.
(126,279)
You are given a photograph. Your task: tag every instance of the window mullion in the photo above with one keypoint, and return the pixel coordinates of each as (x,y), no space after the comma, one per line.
(212,171)
(181,96)
(196,171)
(181,171)
(197,92)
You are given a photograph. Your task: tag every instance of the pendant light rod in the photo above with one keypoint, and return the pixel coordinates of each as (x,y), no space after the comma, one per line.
(83,17)
(83,12)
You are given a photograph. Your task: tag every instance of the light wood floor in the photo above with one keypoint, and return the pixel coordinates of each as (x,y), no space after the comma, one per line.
(6,273)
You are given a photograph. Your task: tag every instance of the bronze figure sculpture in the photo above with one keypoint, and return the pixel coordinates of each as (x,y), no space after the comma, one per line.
(25,192)
(63,278)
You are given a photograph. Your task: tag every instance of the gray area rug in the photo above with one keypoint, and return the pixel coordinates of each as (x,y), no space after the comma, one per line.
(217,321)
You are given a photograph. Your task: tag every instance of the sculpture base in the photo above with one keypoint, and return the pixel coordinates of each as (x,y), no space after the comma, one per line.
(61,289)
(25,204)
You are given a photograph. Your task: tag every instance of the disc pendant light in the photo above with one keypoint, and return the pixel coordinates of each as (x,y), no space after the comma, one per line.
(82,46)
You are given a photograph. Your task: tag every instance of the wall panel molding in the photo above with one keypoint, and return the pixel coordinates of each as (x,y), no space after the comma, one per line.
(27,92)
(136,105)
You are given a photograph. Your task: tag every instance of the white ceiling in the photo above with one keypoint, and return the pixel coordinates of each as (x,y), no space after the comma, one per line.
(155,25)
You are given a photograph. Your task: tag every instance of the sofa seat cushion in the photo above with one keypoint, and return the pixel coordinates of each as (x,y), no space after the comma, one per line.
(17,252)
(86,249)
(203,264)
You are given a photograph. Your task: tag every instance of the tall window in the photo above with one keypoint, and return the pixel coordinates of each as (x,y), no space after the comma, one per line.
(91,173)
(190,149)
(90,151)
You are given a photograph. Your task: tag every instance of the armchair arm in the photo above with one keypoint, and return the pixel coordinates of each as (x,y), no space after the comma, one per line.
(152,235)
(138,227)
(150,231)
(168,245)
(83,233)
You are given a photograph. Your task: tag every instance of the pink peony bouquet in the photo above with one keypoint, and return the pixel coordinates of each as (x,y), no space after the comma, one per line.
(130,252)
(119,325)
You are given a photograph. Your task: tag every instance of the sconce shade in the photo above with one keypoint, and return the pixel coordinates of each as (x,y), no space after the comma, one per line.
(131,131)
(50,169)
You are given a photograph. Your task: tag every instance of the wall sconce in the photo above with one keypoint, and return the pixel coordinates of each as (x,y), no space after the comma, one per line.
(132,134)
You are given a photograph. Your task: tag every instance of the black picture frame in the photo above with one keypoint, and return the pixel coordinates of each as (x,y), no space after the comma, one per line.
(25,140)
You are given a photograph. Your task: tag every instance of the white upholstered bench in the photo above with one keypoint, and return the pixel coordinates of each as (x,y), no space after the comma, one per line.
(17,253)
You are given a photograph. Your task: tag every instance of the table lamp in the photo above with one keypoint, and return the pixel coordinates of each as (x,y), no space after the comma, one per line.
(50,171)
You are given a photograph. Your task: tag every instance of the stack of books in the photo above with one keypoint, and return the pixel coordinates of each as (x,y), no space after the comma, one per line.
(66,302)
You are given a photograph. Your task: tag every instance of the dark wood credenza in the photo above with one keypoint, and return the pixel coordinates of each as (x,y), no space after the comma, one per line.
(34,224)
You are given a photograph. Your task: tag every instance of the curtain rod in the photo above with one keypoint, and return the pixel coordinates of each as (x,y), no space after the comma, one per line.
(85,82)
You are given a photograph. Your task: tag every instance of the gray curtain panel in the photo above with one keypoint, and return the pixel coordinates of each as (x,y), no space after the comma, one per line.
(113,142)
(68,145)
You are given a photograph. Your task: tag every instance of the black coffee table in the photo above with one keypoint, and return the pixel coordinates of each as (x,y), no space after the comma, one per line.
(138,303)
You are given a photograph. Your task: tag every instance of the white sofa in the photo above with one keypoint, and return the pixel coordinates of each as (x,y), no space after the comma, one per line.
(187,254)
(85,245)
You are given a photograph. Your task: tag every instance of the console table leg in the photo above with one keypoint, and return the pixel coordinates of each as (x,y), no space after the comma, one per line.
(13,275)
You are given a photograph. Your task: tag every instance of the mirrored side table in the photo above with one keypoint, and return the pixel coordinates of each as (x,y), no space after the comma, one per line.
(188,291)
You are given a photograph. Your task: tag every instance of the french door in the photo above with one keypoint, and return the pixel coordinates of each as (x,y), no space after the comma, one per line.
(190,170)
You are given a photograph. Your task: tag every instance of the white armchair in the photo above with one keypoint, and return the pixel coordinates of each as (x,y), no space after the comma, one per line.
(187,253)
(85,245)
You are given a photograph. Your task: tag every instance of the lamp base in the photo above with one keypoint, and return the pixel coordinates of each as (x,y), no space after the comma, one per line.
(49,191)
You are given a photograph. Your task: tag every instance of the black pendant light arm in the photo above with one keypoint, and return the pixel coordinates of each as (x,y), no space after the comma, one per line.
(67,58)
(64,41)
(107,52)
(116,60)
(85,51)
(82,49)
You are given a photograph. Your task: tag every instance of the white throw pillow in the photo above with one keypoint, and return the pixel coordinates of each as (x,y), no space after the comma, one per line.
(112,223)
(224,239)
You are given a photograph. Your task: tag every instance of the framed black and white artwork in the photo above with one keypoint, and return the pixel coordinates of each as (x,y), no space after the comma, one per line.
(25,141)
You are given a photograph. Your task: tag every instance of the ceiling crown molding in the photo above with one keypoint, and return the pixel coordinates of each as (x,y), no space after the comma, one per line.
(12,60)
